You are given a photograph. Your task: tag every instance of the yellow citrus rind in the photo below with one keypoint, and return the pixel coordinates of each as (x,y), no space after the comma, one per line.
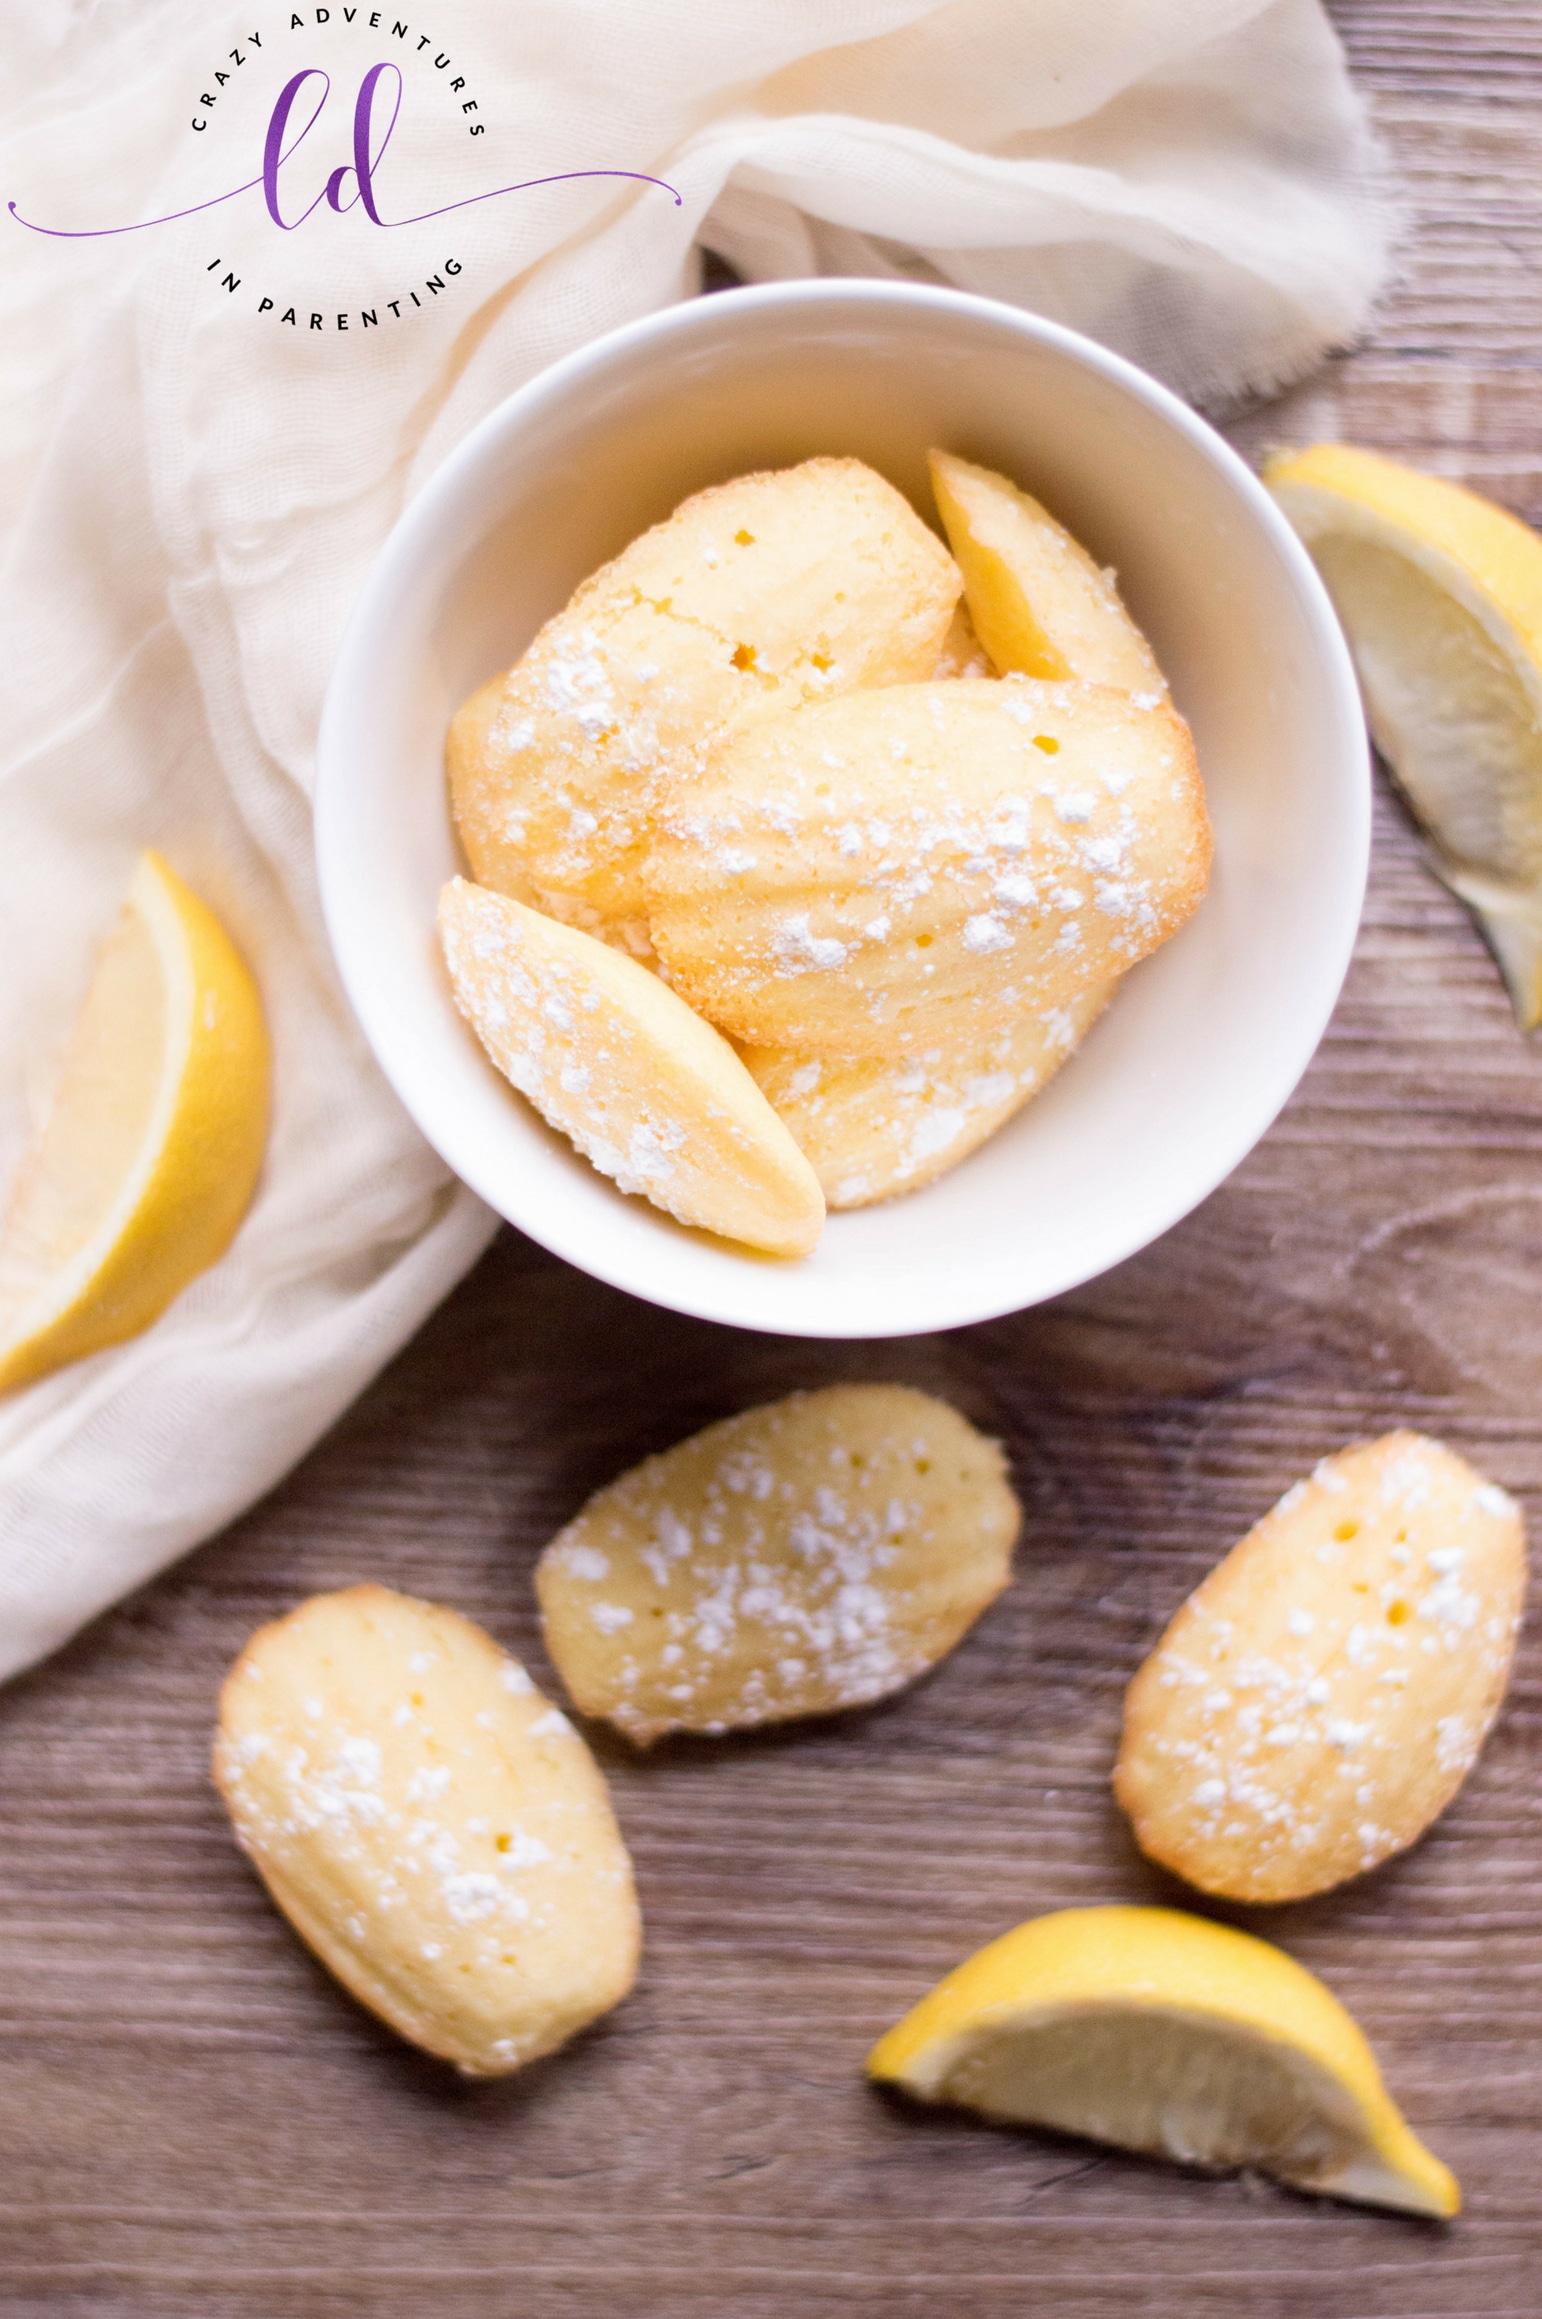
(184,1188)
(1126,1980)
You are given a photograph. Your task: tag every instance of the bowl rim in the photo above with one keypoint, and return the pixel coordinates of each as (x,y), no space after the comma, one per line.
(939,1306)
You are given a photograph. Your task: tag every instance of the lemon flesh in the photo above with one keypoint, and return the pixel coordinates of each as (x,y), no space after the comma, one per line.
(150,1151)
(1440,595)
(1168,2035)
(1039,604)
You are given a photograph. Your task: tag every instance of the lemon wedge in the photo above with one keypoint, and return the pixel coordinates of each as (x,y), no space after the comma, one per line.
(1170,2035)
(1440,594)
(149,1153)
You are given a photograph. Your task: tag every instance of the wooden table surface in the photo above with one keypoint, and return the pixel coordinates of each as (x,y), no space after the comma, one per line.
(195,2121)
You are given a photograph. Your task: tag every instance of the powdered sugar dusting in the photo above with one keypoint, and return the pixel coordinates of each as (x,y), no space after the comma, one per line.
(873,1127)
(644,1089)
(771,1567)
(422,1816)
(936,860)
(1351,1652)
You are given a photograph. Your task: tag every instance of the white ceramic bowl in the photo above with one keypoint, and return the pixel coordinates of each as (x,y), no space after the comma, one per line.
(1206,1040)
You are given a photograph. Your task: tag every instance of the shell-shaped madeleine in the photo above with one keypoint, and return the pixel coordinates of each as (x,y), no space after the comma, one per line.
(438,1834)
(760,593)
(962,654)
(1323,1694)
(650,1094)
(803,1557)
(1037,601)
(870,1126)
(926,864)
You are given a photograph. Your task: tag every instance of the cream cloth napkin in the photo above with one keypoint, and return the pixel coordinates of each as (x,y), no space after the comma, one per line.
(193,487)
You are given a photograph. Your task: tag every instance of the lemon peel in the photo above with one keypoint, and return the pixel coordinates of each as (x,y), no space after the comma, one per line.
(147,1159)
(1172,2036)
(1440,595)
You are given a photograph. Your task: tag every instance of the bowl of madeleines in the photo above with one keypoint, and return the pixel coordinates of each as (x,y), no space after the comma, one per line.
(843,809)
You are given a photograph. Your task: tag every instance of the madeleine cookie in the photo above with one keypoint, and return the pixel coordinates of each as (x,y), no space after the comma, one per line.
(870,1127)
(648,1092)
(807,1556)
(1038,602)
(962,653)
(438,1834)
(923,865)
(758,594)
(1320,1698)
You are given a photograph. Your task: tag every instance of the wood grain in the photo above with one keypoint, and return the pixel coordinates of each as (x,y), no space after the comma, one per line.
(194,2121)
